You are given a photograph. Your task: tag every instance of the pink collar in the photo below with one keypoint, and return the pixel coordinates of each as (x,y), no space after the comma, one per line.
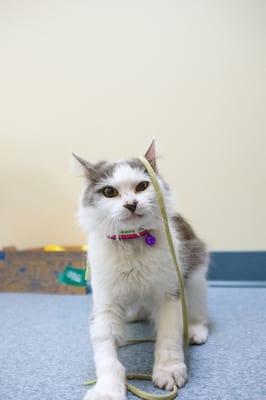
(131,234)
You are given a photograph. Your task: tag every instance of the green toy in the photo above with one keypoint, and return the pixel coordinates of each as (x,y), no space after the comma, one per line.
(72,276)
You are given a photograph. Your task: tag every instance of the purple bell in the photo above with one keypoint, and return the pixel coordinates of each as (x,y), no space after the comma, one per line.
(150,239)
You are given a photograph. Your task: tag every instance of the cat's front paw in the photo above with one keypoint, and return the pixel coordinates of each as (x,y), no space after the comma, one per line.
(105,393)
(165,376)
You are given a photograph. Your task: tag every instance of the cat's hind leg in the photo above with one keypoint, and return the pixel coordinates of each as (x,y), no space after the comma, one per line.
(196,291)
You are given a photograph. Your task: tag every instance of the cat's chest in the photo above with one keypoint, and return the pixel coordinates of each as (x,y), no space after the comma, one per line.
(139,272)
(138,257)
(133,270)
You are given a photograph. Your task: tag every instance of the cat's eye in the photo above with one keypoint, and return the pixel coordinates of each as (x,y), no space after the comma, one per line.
(109,191)
(142,186)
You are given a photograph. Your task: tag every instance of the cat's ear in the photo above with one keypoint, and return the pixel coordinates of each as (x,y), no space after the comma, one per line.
(150,155)
(87,167)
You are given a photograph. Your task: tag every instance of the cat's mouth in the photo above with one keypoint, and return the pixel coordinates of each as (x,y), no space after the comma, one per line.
(133,217)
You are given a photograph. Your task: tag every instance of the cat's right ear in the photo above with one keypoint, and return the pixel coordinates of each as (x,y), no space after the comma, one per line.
(87,167)
(150,155)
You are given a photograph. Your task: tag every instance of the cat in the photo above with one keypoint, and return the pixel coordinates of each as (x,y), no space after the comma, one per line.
(133,279)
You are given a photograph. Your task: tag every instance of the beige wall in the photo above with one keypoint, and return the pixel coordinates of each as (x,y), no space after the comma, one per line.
(101,78)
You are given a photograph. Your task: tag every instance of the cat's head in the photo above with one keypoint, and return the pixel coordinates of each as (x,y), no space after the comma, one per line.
(120,196)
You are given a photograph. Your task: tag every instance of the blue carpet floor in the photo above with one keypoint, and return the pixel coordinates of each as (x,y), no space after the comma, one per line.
(45,352)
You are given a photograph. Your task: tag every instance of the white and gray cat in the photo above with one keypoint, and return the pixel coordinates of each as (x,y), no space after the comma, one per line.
(132,280)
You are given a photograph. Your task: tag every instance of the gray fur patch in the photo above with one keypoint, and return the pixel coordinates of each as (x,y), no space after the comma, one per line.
(193,251)
(102,170)
(184,230)
(135,163)
(193,255)
(89,197)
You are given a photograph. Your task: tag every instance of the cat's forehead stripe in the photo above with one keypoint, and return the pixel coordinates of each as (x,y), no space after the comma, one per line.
(103,169)
(121,170)
(126,173)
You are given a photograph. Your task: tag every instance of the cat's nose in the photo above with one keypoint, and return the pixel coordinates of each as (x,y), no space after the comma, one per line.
(131,206)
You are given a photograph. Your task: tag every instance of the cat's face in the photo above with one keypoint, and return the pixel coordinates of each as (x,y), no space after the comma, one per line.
(120,196)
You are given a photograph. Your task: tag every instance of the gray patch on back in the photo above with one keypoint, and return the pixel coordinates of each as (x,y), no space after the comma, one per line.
(192,251)
(184,230)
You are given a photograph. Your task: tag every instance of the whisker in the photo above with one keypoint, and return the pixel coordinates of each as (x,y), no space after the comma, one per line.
(111,226)
(157,215)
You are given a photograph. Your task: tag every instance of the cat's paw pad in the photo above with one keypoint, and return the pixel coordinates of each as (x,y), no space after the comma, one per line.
(166,376)
(198,334)
(104,394)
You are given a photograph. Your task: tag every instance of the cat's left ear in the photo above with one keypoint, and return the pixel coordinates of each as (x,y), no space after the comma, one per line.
(88,170)
(150,155)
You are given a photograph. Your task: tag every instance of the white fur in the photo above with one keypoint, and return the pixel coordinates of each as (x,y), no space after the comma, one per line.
(128,274)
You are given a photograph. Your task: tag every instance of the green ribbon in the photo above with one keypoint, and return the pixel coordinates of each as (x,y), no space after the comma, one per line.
(170,245)
(141,393)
